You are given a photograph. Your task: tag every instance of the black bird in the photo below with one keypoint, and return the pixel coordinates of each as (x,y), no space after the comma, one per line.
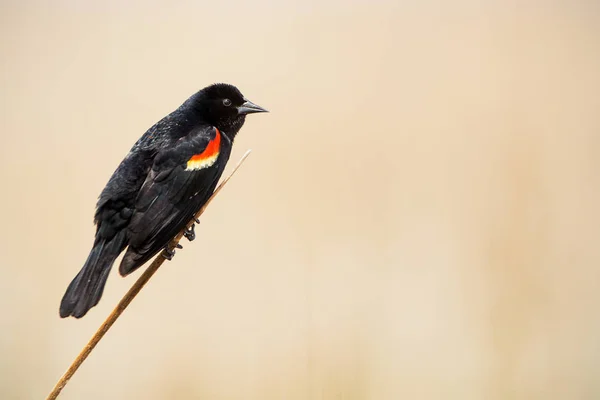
(170,173)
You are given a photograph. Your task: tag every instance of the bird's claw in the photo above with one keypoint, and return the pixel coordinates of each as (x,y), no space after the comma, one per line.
(197,220)
(190,234)
(168,253)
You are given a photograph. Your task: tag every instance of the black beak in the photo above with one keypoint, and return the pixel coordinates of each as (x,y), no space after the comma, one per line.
(250,108)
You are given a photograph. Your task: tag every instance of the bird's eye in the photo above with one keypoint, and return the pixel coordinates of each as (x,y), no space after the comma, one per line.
(226,102)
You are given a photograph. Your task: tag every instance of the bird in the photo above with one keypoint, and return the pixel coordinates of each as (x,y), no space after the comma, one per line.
(167,176)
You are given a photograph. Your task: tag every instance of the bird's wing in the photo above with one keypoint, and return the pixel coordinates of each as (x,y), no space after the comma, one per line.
(180,181)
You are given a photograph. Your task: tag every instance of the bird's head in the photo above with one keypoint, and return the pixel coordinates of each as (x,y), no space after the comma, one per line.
(223,105)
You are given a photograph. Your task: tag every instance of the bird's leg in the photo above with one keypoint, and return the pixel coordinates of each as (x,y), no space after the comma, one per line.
(190,234)
(169,253)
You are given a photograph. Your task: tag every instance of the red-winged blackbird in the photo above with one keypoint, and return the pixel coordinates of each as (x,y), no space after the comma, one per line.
(167,176)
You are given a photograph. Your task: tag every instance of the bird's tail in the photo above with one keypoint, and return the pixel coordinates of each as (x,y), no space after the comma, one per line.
(86,288)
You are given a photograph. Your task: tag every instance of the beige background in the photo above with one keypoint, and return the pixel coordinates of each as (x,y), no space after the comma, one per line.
(419,218)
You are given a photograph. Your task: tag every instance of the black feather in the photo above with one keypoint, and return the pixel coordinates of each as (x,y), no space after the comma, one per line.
(86,288)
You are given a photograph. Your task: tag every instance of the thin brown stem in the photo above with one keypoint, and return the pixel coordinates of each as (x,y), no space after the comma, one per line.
(130,295)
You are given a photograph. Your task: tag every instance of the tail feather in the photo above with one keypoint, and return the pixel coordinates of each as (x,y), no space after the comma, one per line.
(86,289)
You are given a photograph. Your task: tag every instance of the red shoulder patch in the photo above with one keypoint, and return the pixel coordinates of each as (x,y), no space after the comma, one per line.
(208,157)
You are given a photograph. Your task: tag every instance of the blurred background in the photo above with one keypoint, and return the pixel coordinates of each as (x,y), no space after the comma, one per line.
(419,217)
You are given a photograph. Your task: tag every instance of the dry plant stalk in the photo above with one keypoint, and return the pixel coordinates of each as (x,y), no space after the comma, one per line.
(130,295)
